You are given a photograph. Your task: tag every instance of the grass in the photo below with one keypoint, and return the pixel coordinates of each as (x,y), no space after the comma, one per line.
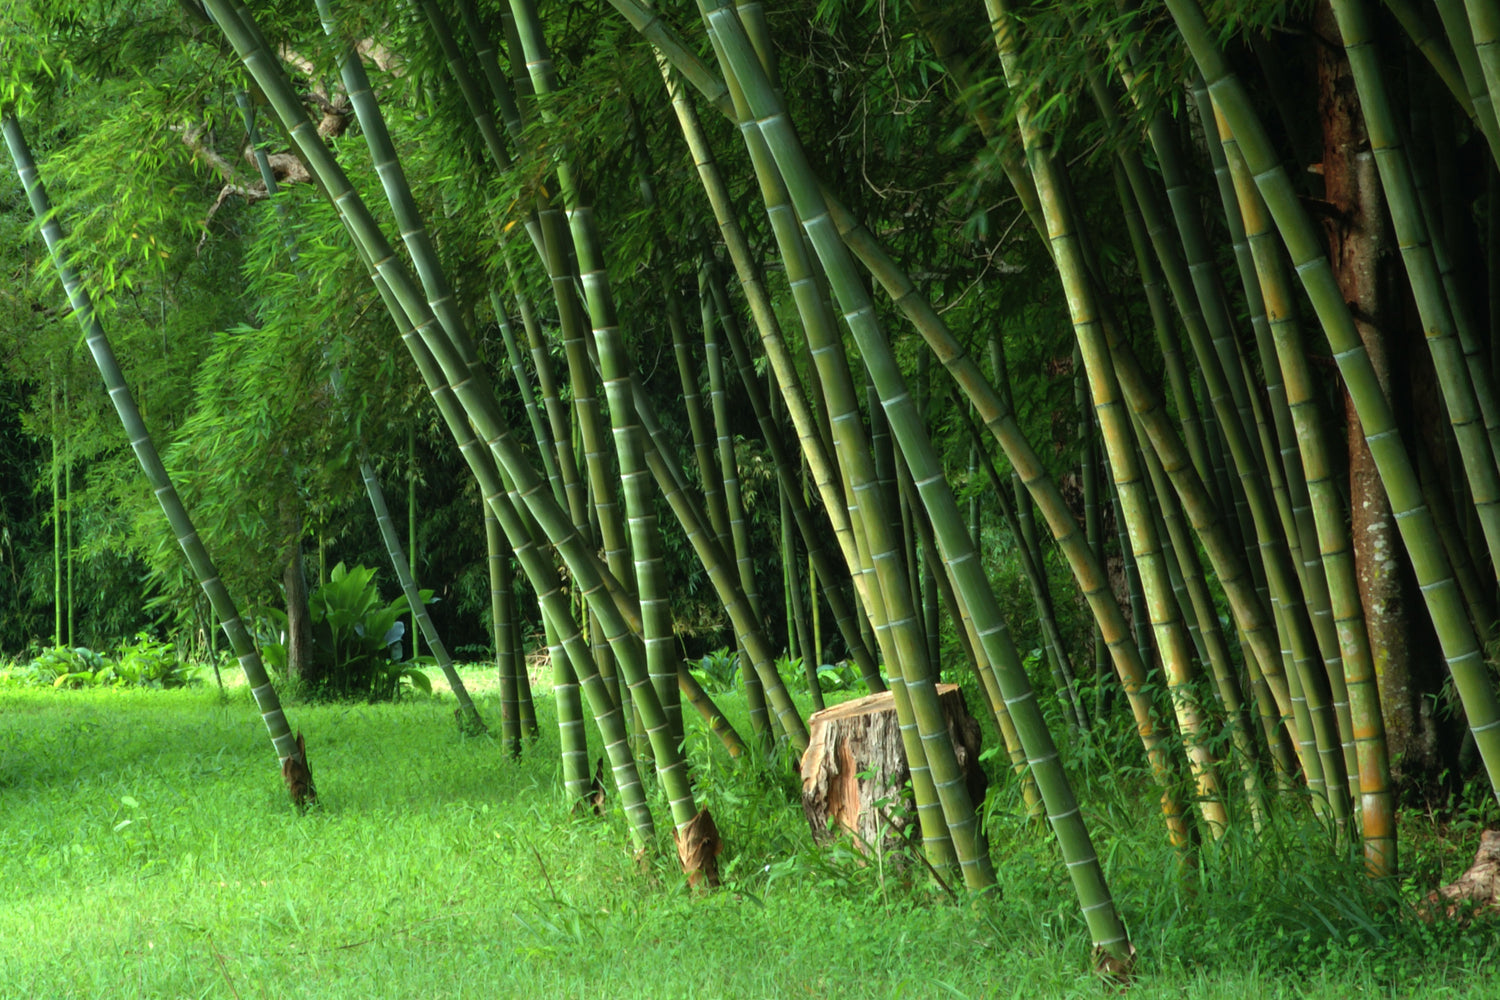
(150,851)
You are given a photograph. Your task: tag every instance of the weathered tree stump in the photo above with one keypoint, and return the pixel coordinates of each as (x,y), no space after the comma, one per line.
(854,770)
(1477,890)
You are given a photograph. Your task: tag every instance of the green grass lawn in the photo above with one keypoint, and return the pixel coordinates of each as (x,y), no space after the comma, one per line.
(150,851)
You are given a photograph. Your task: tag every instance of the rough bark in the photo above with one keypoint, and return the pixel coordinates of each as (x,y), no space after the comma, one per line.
(1362,251)
(854,770)
(1476,890)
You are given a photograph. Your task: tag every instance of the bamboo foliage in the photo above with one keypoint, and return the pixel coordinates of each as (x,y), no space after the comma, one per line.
(145,451)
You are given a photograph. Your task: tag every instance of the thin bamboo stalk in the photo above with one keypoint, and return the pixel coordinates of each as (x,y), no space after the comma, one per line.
(146,454)
(1178,661)
(502,621)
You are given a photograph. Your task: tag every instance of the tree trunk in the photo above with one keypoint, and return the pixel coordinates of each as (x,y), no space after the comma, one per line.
(854,771)
(301,664)
(1362,253)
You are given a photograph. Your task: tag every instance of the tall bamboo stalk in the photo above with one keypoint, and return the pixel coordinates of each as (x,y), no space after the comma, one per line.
(1444,602)
(146,454)
(771,121)
(1377,815)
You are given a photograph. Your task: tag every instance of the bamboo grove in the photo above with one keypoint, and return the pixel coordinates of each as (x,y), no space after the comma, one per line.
(1183,311)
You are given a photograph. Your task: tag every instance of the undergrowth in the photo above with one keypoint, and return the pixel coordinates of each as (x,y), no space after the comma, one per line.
(151,851)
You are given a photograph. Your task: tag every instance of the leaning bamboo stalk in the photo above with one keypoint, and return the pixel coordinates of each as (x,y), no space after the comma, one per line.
(820,561)
(771,121)
(645,535)
(1461,38)
(973,649)
(817,454)
(1200,602)
(692,400)
(1377,816)
(1430,43)
(1030,548)
(1484,22)
(1460,646)
(1200,305)
(545,446)
(749,633)
(1464,383)
(729,475)
(146,454)
(1178,660)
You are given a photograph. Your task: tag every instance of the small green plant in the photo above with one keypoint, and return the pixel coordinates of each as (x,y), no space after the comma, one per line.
(147,662)
(357,639)
(64,667)
(150,662)
(840,676)
(718,671)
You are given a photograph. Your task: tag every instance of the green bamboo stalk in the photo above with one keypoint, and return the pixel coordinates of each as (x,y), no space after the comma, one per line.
(1205,318)
(146,454)
(739,535)
(1434,575)
(1294,503)
(1377,816)
(1035,570)
(545,445)
(57,544)
(1173,644)
(973,649)
(703,443)
(501,622)
(816,453)
(1456,376)
(557,412)
(819,561)
(771,122)
(1461,37)
(1430,43)
(1484,22)
(68,505)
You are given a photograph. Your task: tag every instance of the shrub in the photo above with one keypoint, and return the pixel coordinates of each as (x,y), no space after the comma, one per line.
(146,662)
(357,636)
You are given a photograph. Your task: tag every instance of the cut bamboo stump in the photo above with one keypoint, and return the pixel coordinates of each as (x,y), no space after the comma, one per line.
(854,770)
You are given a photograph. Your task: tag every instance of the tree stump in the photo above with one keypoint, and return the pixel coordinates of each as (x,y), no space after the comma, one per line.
(854,771)
(1477,890)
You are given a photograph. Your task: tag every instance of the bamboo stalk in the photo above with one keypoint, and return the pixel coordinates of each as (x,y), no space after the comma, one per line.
(146,454)
(1434,575)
